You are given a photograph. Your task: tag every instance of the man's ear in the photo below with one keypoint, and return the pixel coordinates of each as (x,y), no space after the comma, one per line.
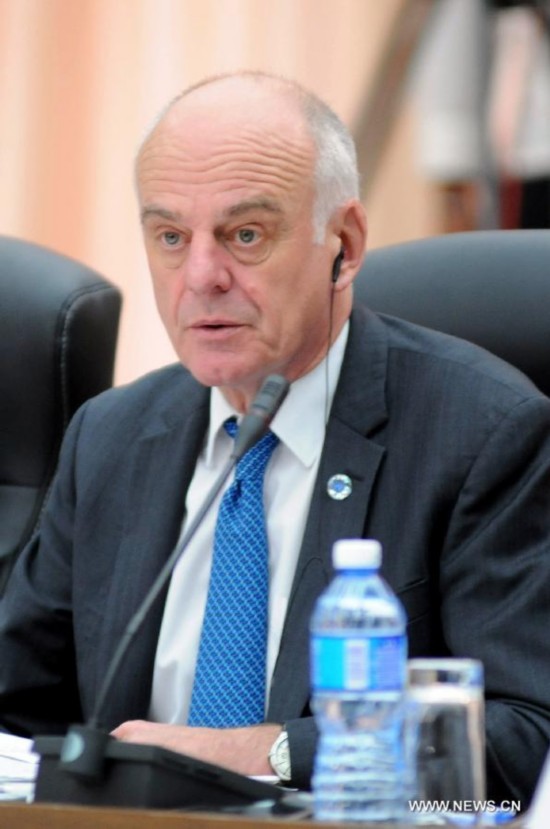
(350,226)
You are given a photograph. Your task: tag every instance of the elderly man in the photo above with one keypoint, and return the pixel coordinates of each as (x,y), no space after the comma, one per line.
(254,233)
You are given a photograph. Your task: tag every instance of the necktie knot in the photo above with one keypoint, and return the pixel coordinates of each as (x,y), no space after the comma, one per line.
(231,427)
(253,463)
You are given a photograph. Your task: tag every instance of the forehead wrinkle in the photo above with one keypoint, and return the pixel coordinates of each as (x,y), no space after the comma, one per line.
(211,167)
(251,150)
(270,185)
(274,147)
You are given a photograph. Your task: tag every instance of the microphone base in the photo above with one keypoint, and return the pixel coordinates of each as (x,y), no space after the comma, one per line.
(148,777)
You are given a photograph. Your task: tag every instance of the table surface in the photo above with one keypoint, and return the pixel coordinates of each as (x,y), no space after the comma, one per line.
(51,816)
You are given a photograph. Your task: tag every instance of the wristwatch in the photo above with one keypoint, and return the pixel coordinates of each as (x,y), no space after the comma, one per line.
(279,757)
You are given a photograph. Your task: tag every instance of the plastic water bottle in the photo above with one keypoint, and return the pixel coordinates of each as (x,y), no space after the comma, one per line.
(358,658)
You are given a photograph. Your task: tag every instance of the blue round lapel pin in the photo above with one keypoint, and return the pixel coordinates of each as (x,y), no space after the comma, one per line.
(339,487)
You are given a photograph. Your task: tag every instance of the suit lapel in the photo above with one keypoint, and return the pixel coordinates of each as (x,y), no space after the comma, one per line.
(163,464)
(358,409)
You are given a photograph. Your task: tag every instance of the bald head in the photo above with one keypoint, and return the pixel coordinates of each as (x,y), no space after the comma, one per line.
(291,113)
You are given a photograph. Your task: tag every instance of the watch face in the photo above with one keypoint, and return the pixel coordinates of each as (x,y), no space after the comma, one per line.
(279,757)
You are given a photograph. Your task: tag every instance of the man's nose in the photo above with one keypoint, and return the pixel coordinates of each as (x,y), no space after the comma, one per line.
(206,267)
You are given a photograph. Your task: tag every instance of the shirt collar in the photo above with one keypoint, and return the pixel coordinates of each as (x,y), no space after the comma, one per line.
(300,422)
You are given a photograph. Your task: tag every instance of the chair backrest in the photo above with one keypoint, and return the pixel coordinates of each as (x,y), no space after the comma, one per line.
(59,326)
(489,287)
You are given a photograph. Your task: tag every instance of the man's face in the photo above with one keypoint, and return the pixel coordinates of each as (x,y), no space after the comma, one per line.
(226,192)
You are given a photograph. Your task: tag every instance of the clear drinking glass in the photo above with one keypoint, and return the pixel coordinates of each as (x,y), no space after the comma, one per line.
(445,740)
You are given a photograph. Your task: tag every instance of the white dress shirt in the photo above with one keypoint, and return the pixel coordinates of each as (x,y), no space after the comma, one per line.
(288,485)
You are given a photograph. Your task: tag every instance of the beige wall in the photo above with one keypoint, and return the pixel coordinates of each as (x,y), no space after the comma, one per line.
(80,80)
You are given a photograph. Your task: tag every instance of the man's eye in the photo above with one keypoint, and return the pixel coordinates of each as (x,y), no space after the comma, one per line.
(247,236)
(171,238)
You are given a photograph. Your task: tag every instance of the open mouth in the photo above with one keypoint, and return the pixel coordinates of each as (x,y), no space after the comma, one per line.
(217,328)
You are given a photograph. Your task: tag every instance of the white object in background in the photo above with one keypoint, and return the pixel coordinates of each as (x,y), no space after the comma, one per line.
(449,81)
(18,768)
(519,95)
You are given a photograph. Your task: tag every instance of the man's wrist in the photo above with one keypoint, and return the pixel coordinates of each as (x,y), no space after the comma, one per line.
(279,757)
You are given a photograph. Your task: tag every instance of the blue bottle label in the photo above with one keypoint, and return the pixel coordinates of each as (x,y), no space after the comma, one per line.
(361,663)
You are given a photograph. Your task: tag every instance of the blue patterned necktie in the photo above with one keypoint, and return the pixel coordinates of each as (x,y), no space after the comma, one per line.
(229,686)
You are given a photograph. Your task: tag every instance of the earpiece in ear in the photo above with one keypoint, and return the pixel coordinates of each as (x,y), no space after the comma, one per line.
(337,264)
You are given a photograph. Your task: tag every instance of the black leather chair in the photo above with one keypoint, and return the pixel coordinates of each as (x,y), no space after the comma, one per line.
(59,326)
(489,287)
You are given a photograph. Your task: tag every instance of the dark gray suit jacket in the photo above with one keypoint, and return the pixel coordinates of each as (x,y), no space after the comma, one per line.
(448,449)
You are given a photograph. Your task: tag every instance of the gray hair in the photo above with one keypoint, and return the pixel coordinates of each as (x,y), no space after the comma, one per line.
(336,174)
(335,170)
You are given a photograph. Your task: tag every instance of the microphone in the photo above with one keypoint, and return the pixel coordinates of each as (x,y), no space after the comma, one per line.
(264,407)
(84,748)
